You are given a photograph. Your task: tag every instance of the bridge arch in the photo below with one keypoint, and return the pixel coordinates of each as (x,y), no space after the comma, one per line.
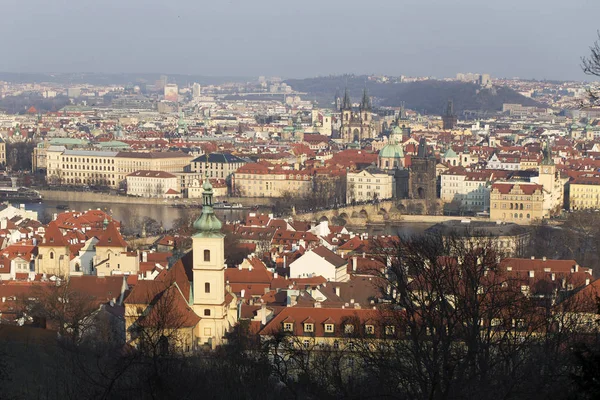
(363,213)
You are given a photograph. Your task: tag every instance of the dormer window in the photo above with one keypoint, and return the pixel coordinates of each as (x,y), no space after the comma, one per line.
(369,329)
(309,327)
(329,328)
(348,328)
(288,327)
(390,330)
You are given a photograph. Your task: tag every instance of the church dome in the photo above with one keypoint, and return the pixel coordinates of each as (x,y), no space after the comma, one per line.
(392,151)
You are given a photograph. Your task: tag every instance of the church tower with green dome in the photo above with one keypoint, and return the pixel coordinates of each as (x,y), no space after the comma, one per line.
(209,274)
(392,154)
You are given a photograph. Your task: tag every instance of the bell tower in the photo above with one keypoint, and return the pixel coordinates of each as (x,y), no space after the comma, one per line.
(209,272)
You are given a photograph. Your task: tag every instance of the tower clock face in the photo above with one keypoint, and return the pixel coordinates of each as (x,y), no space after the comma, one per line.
(546,170)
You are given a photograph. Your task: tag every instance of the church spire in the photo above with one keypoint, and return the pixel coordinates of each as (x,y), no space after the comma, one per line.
(207,223)
(365,104)
(346,103)
(547,154)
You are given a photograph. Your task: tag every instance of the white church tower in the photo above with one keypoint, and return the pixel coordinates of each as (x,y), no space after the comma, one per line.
(209,295)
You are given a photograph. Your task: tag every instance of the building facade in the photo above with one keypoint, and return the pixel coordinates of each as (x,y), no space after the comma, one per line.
(519,202)
(369,184)
(151,183)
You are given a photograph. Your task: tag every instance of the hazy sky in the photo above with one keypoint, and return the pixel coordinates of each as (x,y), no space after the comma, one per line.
(506,38)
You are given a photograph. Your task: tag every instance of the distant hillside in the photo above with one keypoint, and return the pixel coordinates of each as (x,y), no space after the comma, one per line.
(427,97)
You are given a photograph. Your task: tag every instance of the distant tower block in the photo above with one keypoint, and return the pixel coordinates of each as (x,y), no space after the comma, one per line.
(449,118)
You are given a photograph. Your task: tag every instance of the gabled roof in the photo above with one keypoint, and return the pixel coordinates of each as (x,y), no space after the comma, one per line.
(111,237)
(53,236)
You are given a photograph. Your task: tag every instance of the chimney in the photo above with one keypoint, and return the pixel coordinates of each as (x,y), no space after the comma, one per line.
(533,257)
(351,301)
(553,276)
(364,254)
(275,275)
(338,291)
(263,313)
(144,256)
(531,274)
(544,258)
(243,292)
(576,267)
(284,261)
(587,281)
(318,304)
(240,267)
(354,262)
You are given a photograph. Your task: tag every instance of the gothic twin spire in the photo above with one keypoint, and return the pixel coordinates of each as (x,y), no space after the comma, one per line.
(365,103)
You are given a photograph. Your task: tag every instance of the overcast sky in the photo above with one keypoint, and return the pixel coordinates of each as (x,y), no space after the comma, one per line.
(509,38)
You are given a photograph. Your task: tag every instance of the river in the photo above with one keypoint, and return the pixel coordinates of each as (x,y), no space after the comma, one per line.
(165,215)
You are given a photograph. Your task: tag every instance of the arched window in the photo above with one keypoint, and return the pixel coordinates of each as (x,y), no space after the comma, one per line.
(52,255)
(77,267)
(528,216)
(207,255)
(207,287)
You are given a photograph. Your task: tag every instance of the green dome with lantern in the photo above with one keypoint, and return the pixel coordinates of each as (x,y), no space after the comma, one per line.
(207,223)
(391,151)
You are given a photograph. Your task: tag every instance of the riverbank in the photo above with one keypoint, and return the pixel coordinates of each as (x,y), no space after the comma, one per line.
(66,197)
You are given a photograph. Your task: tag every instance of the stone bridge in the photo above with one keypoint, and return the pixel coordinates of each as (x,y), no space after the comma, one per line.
(362,214)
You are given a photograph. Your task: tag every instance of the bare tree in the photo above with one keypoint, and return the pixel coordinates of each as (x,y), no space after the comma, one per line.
(591,66)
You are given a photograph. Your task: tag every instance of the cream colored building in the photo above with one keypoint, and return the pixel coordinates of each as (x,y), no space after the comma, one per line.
(260,180)
(2,151)
(369,184)
(151,183)
(110,168)
(519,202)
(584,193)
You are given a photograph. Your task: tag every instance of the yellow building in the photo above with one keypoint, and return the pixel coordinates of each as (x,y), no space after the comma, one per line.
(584,193)
(369,184)
(260,180)
(519,202)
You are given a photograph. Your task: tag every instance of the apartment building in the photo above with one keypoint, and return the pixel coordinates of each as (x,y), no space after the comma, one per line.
(470,190)
(217,165)
(584,193)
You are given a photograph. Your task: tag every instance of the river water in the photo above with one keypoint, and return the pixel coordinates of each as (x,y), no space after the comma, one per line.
(165,215)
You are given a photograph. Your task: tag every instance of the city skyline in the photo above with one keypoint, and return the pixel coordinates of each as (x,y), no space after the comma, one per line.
(532,40)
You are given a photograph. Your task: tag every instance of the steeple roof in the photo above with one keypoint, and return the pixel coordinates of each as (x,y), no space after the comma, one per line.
(365,104)
(547,154)
(207,223)
(346,103)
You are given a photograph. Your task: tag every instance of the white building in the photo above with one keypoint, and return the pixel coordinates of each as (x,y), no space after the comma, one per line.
(470,190)
(369,184)
(320,262)
(151,183)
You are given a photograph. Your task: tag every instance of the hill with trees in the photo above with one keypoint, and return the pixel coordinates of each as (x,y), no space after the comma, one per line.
(426,97)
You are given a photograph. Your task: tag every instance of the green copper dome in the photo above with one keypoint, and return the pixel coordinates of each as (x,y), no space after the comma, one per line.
(397,130)
(208,223)
(392,151)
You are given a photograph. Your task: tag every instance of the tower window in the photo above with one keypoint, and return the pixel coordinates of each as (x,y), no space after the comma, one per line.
(52,255)
(207,255)
(207,287)
(207,312)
